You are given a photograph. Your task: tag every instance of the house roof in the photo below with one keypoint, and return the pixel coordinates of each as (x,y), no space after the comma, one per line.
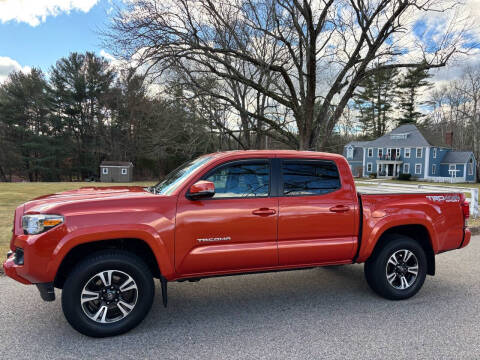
(116,163)
(357,143)
(456,157)
(414,137)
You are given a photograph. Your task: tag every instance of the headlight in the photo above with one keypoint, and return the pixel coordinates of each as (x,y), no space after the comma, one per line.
(36,224)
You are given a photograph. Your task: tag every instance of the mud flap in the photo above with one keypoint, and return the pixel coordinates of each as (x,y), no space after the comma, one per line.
(164,282)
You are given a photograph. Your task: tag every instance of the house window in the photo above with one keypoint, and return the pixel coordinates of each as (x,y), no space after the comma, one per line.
(452,167)
(350,152)
(418,168)
(397,152)
(380,152)
(407,152)
(105,171)
(370,152)
(399,136)
(124,171)
(406,168)
(434,169)
(419,152)
(470,167)
(369,167)
(434,153)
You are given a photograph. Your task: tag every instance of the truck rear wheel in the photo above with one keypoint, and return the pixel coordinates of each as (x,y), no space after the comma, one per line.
(397,271)
(108,294)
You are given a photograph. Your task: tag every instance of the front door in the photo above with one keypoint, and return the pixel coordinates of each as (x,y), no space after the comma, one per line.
(236,230)
(316,214)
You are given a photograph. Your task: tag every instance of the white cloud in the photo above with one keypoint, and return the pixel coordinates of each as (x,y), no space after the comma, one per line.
(34,12)
(7,65)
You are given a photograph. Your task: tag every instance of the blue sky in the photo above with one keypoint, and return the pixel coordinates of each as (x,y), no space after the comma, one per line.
(39,32)
(36,39)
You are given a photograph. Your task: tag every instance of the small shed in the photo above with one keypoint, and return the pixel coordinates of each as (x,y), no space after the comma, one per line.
(116,171)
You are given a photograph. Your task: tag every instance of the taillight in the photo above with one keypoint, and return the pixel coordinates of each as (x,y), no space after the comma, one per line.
(466,210)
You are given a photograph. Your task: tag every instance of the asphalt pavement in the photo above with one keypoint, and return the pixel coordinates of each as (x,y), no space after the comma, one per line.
(326,313)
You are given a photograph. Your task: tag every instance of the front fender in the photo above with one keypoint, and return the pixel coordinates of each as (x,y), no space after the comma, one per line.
(111,232)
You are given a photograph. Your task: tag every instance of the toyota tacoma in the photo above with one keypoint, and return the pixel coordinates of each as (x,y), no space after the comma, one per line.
(222,214)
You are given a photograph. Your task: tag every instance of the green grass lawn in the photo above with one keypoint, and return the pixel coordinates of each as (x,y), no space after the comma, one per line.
(14,194)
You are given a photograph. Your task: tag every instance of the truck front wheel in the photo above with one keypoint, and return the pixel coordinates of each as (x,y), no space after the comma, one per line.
(108,294)
(397,271)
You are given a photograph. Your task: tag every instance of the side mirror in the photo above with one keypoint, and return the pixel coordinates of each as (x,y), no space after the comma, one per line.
(201,190)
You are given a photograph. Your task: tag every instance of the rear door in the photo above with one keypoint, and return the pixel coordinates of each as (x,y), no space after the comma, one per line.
(316,214)
(236,230)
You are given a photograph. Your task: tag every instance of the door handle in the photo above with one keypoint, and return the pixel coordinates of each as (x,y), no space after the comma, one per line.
(264,212)
(340,208)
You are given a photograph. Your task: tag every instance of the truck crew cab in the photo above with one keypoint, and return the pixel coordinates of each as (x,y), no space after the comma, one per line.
(221,214)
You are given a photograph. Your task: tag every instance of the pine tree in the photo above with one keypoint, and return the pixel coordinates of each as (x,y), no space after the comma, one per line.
(374,102)
(410,85)
(25,114)
(81,84)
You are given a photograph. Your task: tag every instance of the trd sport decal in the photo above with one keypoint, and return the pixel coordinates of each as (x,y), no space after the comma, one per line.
(446,198)
(226,238)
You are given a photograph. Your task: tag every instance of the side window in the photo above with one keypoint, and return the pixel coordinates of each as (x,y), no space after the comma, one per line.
(309,177)
(241,180)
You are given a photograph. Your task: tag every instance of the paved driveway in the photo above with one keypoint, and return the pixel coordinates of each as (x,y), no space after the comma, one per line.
(311,314)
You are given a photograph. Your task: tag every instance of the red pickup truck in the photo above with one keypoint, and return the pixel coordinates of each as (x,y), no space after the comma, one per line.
(226,213)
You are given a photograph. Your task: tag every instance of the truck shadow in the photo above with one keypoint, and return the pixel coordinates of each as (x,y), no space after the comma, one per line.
(236,310)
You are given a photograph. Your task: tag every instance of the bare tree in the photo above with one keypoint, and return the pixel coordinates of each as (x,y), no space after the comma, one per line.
(314,52)
(457,109)
(471,91)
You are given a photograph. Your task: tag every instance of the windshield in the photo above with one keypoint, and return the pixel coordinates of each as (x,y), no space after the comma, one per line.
(173,180)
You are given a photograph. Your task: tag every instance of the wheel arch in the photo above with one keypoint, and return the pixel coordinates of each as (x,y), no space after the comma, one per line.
(136,246)
(417,232)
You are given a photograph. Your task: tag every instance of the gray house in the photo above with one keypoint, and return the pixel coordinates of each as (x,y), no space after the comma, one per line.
(116,171)
(409,150)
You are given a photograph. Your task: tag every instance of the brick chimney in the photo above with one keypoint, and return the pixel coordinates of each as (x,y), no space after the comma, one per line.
(449,138)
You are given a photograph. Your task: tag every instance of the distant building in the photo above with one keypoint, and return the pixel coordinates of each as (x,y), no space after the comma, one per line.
(408,150)
(116,171)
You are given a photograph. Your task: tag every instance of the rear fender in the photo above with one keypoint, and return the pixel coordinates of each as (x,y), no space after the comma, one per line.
(374,228)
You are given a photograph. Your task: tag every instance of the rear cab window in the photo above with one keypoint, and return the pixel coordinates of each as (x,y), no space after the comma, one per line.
(309,177)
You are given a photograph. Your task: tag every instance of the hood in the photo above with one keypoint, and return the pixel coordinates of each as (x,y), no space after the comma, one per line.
(47,203)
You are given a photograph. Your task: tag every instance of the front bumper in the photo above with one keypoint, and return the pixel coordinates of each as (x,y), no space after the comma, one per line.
(13,270)
(10,267)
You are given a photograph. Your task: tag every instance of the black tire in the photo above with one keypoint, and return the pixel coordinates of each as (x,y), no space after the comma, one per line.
(121,262)
(376,270)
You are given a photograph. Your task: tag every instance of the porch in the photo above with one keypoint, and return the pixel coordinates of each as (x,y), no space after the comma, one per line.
(388,168)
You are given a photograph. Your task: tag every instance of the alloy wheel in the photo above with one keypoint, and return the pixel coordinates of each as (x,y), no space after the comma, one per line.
(109,296)
(402,269)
